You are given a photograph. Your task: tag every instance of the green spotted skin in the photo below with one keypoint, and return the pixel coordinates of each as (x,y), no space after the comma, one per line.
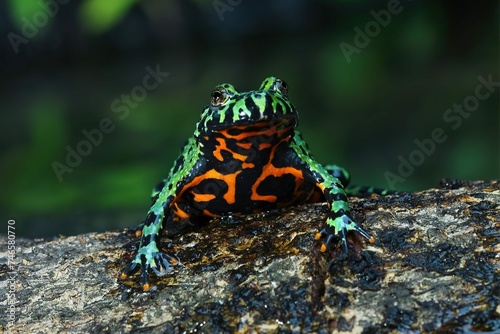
(245,156)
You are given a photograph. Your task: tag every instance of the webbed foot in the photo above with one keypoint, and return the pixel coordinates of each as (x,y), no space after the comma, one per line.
(337,228)
(148,259)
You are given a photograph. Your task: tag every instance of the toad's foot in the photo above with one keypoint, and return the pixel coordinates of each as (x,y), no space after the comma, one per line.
(148,259)
(337,228)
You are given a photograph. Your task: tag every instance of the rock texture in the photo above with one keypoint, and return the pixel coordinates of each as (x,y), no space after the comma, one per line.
(435,266)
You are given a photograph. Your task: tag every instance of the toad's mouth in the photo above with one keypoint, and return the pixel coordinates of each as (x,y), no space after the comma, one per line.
(275,121)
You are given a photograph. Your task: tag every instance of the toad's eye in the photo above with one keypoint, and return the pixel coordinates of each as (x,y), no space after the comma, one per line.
(219,97)
(281,86)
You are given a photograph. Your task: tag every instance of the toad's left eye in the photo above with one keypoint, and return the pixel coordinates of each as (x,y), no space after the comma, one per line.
(281,86)
(219,97)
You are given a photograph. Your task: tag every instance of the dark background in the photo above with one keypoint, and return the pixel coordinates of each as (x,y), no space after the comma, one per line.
(64,63)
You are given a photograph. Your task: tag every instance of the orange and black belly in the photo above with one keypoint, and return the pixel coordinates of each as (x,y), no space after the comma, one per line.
(247,172)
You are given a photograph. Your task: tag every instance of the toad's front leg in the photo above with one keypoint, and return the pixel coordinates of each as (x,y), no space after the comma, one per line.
(150,257)
(339,220)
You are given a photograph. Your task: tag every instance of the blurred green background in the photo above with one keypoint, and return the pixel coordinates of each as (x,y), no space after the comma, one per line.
(68,64)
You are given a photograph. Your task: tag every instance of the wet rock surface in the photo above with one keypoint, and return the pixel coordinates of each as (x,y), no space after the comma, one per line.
(435,266)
